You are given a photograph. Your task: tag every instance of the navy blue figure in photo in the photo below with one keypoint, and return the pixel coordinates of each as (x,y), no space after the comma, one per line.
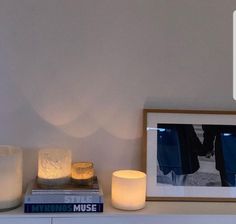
(221,140)
(178,150)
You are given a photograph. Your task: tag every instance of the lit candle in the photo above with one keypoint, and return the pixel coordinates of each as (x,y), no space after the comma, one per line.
(10,177)
(128,189)
(82,173)
(54,166)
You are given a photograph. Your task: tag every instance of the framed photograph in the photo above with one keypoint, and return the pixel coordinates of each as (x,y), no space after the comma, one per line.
(190,155)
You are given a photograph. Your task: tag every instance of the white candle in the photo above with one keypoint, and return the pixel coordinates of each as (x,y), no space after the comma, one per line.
(10,177)
(128,189)
(54,166)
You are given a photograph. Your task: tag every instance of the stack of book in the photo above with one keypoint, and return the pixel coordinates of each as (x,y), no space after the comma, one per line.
(69,198)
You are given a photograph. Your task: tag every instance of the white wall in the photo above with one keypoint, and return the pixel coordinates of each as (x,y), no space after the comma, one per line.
(78,73)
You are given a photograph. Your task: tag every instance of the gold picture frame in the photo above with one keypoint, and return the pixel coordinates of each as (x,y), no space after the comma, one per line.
(163,190)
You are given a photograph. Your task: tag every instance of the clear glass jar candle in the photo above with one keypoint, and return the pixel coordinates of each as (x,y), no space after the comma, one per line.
(54,166)
(10,177)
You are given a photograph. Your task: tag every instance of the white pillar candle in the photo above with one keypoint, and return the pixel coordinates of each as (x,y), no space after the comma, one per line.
(54,166)
(128,189)
(10,177)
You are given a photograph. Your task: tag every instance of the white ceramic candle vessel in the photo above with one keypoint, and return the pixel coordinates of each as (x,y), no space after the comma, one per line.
(10,177)
(128,189)
(54,166)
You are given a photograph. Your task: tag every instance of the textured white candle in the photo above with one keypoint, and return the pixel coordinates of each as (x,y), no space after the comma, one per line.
(10,177)
(128,189)
(54,166)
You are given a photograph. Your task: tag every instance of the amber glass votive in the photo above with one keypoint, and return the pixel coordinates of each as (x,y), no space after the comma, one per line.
(82,173)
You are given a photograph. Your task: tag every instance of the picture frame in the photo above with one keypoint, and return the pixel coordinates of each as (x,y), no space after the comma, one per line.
(172,177)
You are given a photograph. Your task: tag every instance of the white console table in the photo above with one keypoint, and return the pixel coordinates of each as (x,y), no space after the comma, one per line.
(153,213)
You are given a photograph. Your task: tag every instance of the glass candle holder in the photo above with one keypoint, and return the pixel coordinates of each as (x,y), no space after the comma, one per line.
(10,177)
(128,189)
(82,173)
(54,166)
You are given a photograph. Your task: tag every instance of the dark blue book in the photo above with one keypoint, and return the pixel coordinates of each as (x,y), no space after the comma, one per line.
(63,207)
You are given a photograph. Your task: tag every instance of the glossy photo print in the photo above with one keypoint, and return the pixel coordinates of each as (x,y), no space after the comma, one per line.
(196,155)
(190,155)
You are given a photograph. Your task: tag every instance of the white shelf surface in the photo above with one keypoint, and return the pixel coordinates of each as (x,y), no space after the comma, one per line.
(157,208)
